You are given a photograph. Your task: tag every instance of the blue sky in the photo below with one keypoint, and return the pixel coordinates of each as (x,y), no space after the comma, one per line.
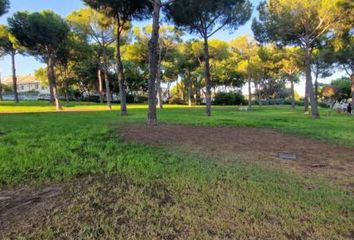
(27,65)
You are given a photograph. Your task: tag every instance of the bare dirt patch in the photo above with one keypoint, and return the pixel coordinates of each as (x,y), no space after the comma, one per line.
(253,145)
(25,205)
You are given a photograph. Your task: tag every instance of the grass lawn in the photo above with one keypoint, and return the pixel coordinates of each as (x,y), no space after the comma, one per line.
(130,190)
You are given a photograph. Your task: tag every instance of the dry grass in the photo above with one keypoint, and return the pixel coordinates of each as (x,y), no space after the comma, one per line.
(178,208)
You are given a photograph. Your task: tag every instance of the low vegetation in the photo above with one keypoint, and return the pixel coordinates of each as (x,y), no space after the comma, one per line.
(114,188)
(80,170)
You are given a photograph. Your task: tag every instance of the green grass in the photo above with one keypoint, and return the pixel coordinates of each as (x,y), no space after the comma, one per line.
(332,127)
(155,193)
(45,106)
(51,145)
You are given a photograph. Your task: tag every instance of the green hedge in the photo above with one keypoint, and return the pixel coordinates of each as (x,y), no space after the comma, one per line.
(231,98)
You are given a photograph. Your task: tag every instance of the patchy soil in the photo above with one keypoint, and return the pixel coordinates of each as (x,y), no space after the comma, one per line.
(112,207)
(20,206)
(253,145)
(115,207)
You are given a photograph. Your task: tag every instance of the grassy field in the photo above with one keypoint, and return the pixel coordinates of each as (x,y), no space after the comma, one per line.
(136,191)
(332,127)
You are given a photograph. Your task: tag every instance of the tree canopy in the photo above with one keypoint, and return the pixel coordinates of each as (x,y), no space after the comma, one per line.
(97,52)
(298,22)
(205,18)
(4,6)
(42,34)
(10,46)
(122,10)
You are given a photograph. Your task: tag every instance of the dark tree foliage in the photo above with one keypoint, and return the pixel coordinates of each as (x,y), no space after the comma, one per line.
(208,17)
(231,98)
(122,11)
(42,34)
(205,18)
(4,6)
(343,88)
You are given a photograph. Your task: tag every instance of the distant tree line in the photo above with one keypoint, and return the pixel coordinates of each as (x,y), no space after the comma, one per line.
(97,50)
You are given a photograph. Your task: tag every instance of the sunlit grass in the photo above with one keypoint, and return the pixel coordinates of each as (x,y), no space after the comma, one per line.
(332,127)
(45,106)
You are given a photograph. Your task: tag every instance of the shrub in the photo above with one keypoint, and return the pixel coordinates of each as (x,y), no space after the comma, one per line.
(141,99)
(130,98)
(175,100)
(323,105)
(91,99)
(232,98)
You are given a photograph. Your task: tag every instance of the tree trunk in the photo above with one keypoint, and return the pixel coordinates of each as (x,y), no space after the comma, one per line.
(51,99)
(168,90)
(67,94)
(14,77)
(67,85)
(309,85)
(197,93)
(50,83)
(120,73)
(108,91)
(207,77)
(189,93)
(292,92)
(306,101)
(1,98)
(249,95)
(258,94)
(106,80)
(100,86)
(158,86)
(53,83)
(153,62)
(316,89)
(352,78)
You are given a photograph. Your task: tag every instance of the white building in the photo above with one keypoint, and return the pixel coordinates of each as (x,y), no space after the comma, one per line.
(27,83)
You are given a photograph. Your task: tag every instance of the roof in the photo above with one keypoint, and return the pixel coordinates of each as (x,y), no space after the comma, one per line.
(21,79)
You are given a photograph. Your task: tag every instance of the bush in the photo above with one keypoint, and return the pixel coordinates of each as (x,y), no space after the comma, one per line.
(281,102)
(95,99)
(276,101)
(234,98)
(130,98)
(175,100)
(323,105)
(141,99)
(300,103)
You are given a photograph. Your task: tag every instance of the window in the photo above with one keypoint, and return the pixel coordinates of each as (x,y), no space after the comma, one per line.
(22,87)
(36,86)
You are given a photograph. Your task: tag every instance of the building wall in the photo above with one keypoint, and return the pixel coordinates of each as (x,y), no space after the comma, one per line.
(36,86)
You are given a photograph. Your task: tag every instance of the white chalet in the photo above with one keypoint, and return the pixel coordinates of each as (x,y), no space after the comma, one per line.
(27,83)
